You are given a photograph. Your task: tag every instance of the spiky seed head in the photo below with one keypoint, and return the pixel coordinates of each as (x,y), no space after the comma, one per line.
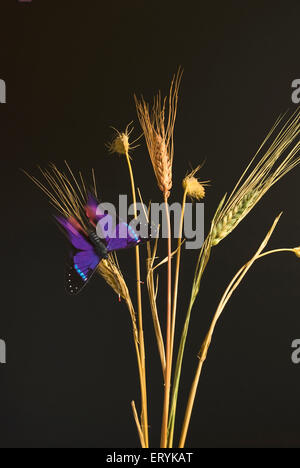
(193,187)
(120,144)
(296,251)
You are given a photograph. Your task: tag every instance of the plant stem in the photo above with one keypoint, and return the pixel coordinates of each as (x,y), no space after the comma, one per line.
(205,346)
(143,383)
(152,292)
(164,427)
(178,257)
(137,422)
(275,251)
(190,404)
(202,262)
(175,296)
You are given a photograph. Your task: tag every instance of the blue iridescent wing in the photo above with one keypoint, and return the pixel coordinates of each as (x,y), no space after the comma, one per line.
(84,259)
(75,233)
(81,267)
(95,215)
(122,237)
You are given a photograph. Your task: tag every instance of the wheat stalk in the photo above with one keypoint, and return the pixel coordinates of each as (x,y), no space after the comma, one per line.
(230,219)
(278,159)
(152,286)
(205,346)
(158,132)
(122,145)
(162,164)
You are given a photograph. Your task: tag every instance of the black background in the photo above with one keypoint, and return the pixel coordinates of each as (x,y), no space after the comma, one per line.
(71,68)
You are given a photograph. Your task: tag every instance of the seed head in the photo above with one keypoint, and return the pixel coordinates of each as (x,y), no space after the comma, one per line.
(279,153)
(296,251)
(121,144)
(193,187)
(158,130)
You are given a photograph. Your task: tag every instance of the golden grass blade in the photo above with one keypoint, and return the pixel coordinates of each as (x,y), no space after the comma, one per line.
(152,292)
(253,184)
(159,134)
(234,283)
(122,146)
(138,425)
(165,260)
(250,188)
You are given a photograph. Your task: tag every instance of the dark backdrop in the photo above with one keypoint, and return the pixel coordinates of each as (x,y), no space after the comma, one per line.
(71,69)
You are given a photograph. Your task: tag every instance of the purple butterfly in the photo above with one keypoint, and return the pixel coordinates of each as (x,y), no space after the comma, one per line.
(89,248)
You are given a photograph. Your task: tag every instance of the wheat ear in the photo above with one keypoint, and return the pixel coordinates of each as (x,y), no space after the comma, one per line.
(231,218)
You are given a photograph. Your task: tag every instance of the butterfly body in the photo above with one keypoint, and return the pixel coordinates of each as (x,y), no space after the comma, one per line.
(99,246)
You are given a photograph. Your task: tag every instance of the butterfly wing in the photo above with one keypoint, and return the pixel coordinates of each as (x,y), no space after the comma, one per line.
(95,215)
(80,269)
(124,237)
(91,211)
(74,233)
(83,261)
